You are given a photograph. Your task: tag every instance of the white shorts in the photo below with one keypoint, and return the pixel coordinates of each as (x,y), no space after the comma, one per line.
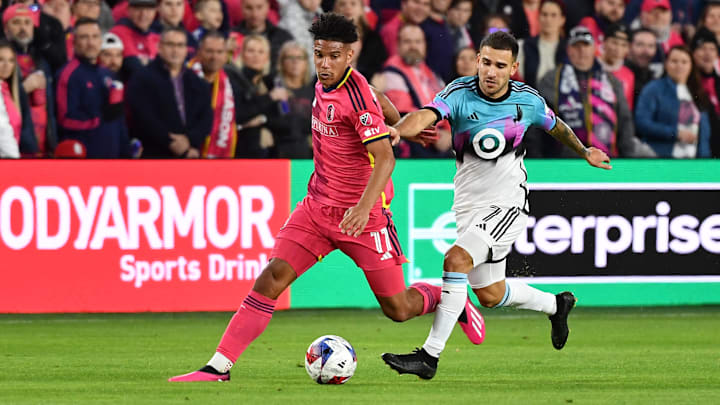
(496,227)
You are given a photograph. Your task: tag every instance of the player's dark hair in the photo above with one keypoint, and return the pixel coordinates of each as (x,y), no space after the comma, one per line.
(502,41)
(85,21)
(334,27)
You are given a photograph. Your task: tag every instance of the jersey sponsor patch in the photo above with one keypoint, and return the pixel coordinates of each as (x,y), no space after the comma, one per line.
(330,112)
(324,129)
(366,119)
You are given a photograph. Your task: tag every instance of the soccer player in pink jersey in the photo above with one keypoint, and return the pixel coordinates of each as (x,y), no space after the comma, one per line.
(345,208)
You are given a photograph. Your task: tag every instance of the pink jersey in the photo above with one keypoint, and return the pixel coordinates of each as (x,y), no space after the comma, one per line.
(345,118)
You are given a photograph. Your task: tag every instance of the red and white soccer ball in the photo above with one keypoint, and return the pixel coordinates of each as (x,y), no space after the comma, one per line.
(330,359)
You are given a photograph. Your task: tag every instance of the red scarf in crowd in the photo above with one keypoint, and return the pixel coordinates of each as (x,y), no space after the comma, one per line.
(223,137)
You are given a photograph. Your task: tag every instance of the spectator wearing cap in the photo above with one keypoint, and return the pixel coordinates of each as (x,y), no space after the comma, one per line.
(656,15)
(140,44)
(170,105)
(90,100)
(671,113)
(255,21)
(48,38)
(36,76)
(704,48)
(439,40)
(607,12)
(642,50)
(170,13)
(617,44)
(542,53)
(209,65)
(591,101)
(111,53)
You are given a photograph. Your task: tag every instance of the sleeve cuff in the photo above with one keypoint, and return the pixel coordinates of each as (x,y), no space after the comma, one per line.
(438,114)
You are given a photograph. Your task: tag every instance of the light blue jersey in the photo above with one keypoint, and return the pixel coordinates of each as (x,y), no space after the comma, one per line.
(487,136)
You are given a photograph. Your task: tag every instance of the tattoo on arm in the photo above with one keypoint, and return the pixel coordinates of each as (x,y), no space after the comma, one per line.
(563,133)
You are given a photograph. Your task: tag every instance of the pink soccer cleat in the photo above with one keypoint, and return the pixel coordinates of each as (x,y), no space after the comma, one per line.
(472,323)
(206,373)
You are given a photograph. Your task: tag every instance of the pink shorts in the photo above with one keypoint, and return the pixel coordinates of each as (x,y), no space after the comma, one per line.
(312,232)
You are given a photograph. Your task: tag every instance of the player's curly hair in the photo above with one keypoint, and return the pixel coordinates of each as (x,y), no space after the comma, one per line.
(334,27)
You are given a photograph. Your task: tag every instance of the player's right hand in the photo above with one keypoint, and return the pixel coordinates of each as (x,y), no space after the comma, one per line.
(394,136)
(597,158)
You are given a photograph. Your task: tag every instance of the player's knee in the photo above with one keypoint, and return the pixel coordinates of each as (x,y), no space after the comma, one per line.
(457,262)
(274,279)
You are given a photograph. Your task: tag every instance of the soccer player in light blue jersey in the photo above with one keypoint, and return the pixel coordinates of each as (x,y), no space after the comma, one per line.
(489,115)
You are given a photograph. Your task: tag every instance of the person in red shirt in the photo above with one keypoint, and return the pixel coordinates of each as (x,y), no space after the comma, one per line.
(345,208)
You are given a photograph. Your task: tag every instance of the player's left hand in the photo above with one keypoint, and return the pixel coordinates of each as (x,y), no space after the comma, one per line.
(598,158)
(394,136)
(354,221)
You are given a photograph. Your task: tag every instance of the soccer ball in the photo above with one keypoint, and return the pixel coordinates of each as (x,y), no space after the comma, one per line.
(330,359)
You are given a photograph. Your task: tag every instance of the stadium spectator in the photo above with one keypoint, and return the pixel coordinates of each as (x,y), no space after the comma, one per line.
(170,13)
(540,54)
(255,21)
(210,16)
(531,9)
(607,12)
(140,45)
(617,44)
(705,50)
(209,65)
(294,142)
(371,55)
(710,19)
(458,18)
(10,117)
(440,48)
(438,9)
(495,22)
(590,101)
(656,15)
(90,99)
(169,105)
(296,16)
(37,79)
(410,84)
(261,101)
(111,53)
(80,9)
(643,46)
(671,112)
(466,63)
(48,38)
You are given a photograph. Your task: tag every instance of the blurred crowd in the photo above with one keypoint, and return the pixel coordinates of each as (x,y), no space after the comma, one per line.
(235,78)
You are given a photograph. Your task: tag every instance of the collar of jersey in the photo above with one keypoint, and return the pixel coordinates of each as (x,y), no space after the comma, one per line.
(493,100)
(341,82)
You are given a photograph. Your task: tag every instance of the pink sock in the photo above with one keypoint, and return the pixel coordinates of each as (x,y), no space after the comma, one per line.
(431,296)
(246,325)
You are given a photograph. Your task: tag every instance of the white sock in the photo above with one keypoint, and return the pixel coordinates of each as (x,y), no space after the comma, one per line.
(521,295)
(452,302)
(220,363)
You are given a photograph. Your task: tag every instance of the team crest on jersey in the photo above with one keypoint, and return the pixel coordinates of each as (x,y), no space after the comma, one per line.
(366,119)
(330,112)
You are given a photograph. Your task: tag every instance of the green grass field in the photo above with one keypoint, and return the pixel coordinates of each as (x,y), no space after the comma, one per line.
(614,356)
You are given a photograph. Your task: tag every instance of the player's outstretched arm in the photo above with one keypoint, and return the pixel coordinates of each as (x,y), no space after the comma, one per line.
(356,218)
(594,156)
(412,127)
